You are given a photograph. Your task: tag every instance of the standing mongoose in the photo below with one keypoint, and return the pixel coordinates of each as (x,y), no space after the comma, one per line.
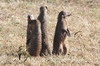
(60,34)
(34,37)
(43,19)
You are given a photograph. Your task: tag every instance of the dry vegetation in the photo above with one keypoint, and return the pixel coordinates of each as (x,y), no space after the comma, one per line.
(84,24)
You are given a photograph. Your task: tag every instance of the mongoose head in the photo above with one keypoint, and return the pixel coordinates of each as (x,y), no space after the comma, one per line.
(30,17)
(43,9)
(63,14)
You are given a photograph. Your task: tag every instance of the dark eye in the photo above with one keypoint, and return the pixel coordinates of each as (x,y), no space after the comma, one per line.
(46,7)
(63,16)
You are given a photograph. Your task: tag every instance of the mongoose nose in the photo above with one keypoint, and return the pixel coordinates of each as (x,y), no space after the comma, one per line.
(68,14)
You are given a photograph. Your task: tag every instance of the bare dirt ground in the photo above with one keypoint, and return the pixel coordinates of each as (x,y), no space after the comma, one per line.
(84,25)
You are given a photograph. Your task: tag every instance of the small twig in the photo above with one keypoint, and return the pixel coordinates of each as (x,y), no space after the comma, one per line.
(77,33)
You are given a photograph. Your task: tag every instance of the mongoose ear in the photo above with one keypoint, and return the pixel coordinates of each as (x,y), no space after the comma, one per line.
(28,17)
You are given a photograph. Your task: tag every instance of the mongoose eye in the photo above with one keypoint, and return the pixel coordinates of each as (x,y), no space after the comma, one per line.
(46,7)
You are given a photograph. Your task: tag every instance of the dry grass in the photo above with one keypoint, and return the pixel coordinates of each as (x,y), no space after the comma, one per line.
(84,47)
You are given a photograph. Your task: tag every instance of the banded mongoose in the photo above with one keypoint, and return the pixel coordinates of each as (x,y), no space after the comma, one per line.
(34,40)
(43,19)
(60,34)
